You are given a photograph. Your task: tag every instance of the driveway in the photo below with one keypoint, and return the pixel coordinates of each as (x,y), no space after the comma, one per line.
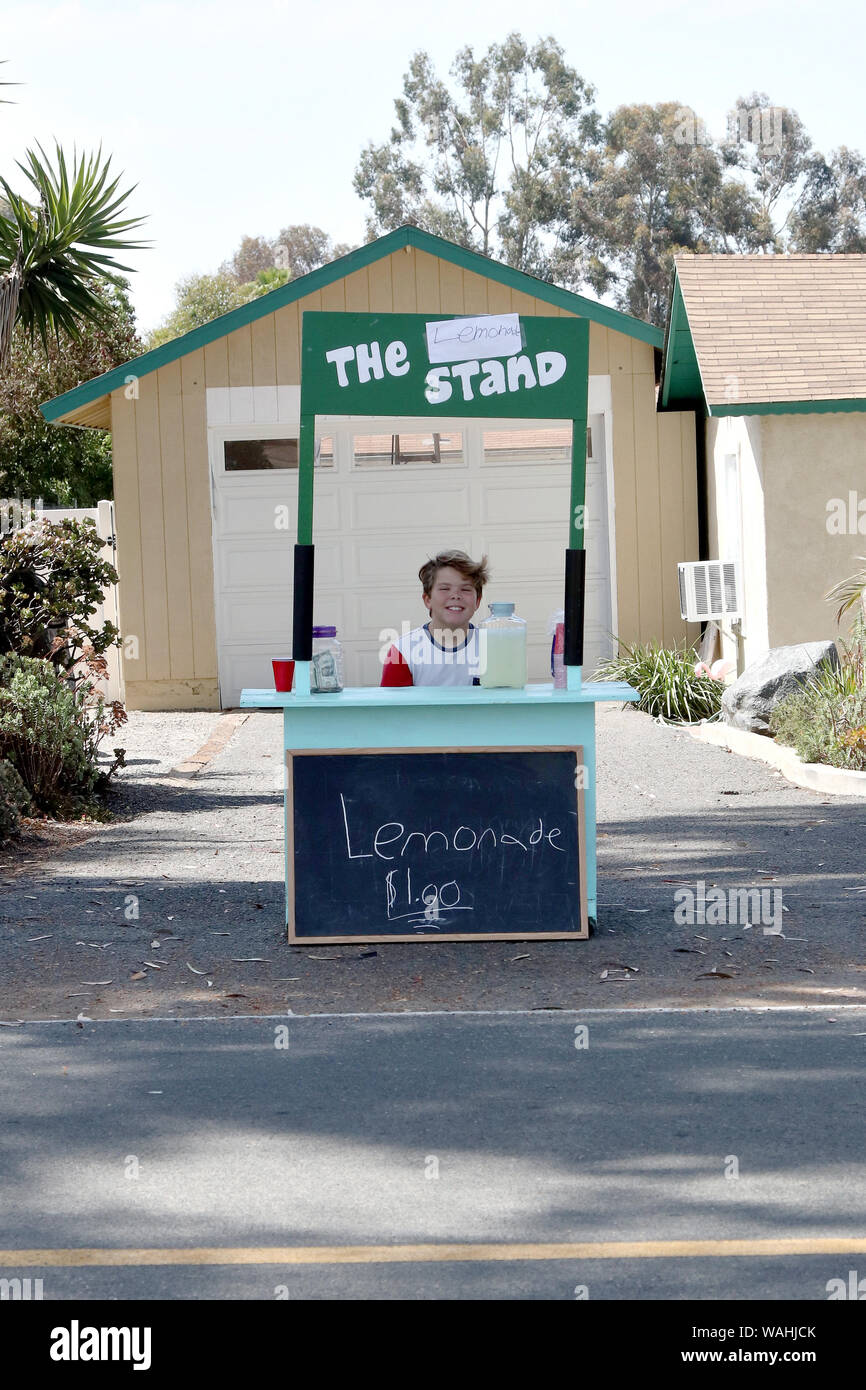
(176,908)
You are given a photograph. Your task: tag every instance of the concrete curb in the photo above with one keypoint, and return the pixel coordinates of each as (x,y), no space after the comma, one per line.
(817,777)
(224,731)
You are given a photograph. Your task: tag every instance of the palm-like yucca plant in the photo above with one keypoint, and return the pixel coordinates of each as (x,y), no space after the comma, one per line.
(849,592)
(55,250)
(3,101)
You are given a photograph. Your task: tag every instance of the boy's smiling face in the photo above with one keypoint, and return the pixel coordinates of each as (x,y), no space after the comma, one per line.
(452,600)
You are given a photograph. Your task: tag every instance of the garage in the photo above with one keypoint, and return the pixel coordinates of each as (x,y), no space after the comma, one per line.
(204,441)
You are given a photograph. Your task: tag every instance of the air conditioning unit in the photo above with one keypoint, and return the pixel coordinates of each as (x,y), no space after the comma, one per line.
(710,589)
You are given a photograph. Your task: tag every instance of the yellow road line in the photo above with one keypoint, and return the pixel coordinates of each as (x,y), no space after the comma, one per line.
(440,1253)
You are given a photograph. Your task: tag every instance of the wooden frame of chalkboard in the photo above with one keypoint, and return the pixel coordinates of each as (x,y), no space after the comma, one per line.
(317,881)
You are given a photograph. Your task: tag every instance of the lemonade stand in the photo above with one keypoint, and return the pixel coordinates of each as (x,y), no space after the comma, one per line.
(399,827)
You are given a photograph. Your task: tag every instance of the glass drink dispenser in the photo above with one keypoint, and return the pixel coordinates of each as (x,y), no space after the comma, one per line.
(502,648)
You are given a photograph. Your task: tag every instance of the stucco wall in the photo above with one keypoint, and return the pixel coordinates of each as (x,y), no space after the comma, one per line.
(162,486)
(809,460)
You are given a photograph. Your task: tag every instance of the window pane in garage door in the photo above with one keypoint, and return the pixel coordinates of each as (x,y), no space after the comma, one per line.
(392,450)
(267,455)
(250,455)
(550,445)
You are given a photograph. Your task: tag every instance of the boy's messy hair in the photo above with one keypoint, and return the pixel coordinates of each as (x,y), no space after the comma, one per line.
(475,570)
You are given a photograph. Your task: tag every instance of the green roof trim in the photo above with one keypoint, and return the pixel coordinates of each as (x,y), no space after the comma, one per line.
(681,373)
(317,279)
(822,406)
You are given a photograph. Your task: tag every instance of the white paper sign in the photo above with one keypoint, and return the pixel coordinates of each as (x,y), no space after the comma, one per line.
(464,340)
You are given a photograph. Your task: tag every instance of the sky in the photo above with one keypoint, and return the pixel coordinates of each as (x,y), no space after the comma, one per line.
(236,119)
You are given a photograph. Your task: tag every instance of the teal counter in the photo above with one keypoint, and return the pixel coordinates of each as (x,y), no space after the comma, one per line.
(369,717)
(374,696)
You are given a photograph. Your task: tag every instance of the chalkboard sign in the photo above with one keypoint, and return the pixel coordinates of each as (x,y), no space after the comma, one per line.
(433,845)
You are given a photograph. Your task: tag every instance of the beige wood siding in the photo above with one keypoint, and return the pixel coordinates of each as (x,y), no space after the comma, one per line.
(162,484)
(127,518)
(163,519)
(198,517)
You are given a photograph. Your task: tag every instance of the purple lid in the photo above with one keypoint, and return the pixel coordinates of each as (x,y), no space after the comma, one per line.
(324,632)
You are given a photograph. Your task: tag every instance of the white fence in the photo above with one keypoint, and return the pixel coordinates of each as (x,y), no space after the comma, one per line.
(103,517)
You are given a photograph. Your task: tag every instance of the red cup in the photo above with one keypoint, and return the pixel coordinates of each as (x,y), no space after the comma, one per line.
(284,675)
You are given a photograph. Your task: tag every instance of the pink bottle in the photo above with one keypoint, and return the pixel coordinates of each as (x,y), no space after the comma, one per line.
(557,651)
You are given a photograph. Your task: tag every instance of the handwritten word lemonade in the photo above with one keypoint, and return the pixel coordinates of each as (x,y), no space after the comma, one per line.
(502,648)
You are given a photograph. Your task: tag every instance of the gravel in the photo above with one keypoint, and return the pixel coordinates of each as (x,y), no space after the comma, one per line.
(154,743)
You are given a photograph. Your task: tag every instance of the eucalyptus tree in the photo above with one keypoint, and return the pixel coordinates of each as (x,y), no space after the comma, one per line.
(486,160)
(296,249)
(659,186)
(831,212)
(511,158)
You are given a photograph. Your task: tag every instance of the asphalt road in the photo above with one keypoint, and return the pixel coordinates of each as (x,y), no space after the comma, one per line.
(205,1137)
(160,913)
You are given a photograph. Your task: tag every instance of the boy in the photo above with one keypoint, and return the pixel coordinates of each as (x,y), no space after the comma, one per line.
(445,650)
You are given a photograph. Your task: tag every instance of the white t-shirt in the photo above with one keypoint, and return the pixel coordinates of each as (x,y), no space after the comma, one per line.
(428,662)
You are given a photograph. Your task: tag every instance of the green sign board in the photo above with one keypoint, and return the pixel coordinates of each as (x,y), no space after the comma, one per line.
(493,365)
(419,364)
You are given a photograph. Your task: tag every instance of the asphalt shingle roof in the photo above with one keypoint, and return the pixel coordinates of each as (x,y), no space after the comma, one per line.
(777,328)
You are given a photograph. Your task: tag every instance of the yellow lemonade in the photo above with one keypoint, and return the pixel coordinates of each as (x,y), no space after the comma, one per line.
(502,648)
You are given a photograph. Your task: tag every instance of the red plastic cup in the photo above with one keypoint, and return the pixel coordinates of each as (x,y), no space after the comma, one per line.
(284,675)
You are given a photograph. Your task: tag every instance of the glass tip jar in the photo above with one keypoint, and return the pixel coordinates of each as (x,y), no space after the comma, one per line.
(326,667)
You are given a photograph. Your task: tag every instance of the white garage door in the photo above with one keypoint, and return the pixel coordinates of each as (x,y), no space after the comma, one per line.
(388,494)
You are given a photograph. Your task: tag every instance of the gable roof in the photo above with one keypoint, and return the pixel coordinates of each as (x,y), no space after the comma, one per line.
(77,401)
(753,334)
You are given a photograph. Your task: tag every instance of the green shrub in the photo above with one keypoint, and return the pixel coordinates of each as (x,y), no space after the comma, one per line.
(666,681)
(14,800)
(50,730)
(52,579)
(825,720)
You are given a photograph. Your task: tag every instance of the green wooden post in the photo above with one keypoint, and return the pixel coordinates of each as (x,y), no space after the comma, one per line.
(306,467)
(578,483)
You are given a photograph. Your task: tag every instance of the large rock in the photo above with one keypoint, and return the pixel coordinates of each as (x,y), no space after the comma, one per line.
(747,703)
